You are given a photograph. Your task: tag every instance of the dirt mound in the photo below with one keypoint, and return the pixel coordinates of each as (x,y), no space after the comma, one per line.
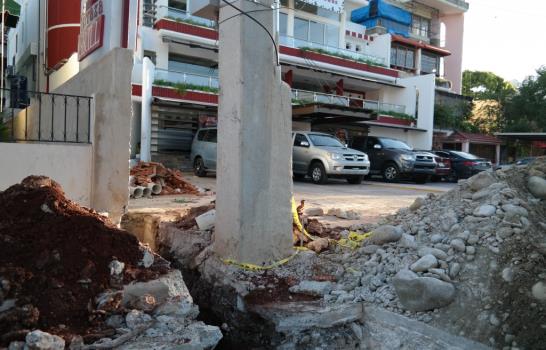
(54,260)
(171,180)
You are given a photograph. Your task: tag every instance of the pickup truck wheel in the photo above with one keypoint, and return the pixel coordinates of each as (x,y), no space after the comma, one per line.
(356,179)
(199,167)
(391,172)
(318,173)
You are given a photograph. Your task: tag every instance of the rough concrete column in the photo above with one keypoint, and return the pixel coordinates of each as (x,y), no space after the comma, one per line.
(454,43)
(254,183)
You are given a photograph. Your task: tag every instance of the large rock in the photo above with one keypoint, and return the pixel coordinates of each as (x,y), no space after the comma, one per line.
(422,293)
(38,340)
(481,181)
(438,253)
(537,187)
(314,212)
(485,210)
(418,203)
(166,287)
(539,291)
(515,209)
(385,234)
(425,263)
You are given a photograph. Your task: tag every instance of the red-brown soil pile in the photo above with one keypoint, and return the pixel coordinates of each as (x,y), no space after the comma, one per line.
(54,258)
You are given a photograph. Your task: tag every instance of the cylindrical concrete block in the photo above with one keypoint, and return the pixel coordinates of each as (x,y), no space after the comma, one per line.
(135,192)
(155,188)
(146,192)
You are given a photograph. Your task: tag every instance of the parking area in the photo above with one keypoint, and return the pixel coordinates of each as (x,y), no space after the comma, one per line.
(371,199)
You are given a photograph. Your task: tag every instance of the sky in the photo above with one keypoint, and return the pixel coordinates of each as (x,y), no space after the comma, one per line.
(506,37)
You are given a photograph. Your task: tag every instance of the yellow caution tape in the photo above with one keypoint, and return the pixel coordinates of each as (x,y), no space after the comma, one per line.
(296,219)
(253,267)
(353,241)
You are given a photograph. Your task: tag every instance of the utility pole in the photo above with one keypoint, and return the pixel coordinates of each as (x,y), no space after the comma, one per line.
(254,170)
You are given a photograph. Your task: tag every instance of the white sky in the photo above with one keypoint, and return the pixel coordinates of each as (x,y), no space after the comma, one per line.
(506,37)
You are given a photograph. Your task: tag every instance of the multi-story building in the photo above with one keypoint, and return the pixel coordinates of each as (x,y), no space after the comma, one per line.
(354,66)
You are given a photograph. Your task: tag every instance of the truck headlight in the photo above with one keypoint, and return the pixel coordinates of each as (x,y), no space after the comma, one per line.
(408,157)
(335,156)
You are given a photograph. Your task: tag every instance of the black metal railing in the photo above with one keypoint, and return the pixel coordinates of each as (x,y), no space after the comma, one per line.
(32,116)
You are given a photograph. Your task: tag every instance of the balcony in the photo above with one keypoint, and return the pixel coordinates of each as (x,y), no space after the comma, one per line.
(303,97)
(181,16)
(332,51)
(186,81)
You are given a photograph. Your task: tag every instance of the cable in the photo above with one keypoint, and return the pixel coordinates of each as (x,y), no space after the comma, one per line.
(261,25)
(239,14)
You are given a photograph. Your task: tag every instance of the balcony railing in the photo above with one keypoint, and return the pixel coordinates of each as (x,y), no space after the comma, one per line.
(308,97)
(197,81)
(182,16)
(329,50)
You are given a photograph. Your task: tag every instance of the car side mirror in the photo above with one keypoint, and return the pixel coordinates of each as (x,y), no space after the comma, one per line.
(304,144)
(346,146)
(377,146)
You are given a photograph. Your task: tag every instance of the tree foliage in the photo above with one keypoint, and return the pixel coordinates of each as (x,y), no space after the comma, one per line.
(454,116)
(526,110)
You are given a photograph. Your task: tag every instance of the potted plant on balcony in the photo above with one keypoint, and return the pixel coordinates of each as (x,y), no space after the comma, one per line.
(397,118)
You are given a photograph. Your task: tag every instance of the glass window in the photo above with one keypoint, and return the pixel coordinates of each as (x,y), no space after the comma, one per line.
(299,139)
(301,29)
(211,136)
(315,10)
(430,63)
(284,3)
(201,135)
(178,63)
(325,140)
(178,4)
(421,26)
(316,32)
(332,35)
(402,57)
(283,23)
(396,144)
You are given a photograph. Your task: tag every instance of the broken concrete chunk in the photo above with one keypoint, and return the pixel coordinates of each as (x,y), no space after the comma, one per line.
(164,288)
(422,293)
(314,212)
(485,210)
(407,241)
(318,245)
(137,318)
(207,220)
(16,345)
(147,258)
(515,209)
(458,245)
(539,291)
(38,340)
(314,288)
(116,267)
(438,253)
(426,262)
(385,234)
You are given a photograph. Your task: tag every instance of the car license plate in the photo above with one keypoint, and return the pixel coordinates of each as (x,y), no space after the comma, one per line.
(441,165)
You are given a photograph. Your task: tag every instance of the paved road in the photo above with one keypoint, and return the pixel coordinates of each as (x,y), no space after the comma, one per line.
(372,199)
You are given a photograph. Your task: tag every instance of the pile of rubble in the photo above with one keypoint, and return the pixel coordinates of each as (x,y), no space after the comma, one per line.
(155,179)
(470,262)
(68,277)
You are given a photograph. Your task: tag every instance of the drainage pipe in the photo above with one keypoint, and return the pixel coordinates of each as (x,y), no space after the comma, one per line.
(155,188)
(136,192)
(146,192)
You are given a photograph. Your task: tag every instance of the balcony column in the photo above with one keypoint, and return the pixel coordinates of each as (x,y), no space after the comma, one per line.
(418,62)
(454,25)
(254,175)
(146,110)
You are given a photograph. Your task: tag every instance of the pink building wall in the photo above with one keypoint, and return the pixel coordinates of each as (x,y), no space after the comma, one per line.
(453,65)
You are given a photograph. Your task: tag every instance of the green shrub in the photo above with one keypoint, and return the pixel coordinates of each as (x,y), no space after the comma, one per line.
(340,55)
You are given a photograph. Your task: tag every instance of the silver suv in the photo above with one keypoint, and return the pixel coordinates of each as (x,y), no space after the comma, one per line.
(203,151)
(321,156)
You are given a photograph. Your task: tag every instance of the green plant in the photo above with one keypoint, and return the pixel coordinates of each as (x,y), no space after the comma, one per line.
(189,21)
(301,102)
(340,55)
(182,88)
(398,115)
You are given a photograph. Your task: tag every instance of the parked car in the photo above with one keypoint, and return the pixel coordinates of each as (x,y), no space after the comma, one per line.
(394,159)
(203,151)
(322,156)
(519,163)
(315,154)
(463,164)
(443,167)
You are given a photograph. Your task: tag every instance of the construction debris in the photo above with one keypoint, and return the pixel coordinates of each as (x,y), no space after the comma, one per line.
(154,178)
(69,277)
(470,262)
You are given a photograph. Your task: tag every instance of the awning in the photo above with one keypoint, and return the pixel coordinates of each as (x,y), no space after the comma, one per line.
(12,11)
(420,44)
(528,136)
(394,126)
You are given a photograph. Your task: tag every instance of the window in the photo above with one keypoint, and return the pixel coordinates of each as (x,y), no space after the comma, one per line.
(184,64)
(402,57)
(315,32)
(299,139)
(420,26)
(320,140)
(283,23)
(178,4)
(201,135)
(348,46)
(430,63)
(148,9)
(211,136)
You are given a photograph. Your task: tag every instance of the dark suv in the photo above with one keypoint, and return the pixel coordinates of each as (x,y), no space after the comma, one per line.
(394,159)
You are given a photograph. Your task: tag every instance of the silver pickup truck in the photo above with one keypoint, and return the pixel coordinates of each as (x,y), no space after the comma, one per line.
(322,156)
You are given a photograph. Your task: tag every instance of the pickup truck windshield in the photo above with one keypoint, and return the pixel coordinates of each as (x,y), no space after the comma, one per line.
(325,140)
(396,144)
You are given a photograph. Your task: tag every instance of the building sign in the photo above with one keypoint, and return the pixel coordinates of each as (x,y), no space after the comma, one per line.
(91,28)
(332,5)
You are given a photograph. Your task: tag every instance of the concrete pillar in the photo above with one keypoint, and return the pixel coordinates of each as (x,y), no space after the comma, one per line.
(254,182)
(497,154)
(146,110)
(465,146)
(418,58)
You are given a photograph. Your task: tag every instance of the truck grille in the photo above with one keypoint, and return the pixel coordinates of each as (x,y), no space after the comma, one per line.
(424,158)
(353,157)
